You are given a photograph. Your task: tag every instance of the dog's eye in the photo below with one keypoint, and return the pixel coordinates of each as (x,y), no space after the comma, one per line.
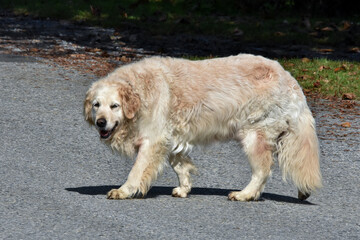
(115,105)
(96,104)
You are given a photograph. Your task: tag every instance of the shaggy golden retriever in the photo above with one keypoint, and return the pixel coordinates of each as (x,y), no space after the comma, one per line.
(158,108)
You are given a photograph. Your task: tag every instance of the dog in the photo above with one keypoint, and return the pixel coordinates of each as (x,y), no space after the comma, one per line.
(157,109)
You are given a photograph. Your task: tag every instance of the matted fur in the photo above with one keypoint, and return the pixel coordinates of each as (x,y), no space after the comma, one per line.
(158,108)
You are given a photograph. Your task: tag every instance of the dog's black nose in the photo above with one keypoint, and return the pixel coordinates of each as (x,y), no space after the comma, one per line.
(101,122)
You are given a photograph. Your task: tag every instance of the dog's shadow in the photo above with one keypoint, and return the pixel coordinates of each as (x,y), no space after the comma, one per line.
(157,190)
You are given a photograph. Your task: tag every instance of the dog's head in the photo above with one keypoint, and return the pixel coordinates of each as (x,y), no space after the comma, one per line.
(108,105)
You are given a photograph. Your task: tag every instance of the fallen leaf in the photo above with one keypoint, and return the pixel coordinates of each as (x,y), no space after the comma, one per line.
(346,124)
(327,29)
(317,84)
(78,56)
(342,68)
(348,96)
(304,77)
(323,67)
(346,26)
(279,34)
(93,50)
(34,50)
(354,49)
(325,50)
(289,64)
(346,67)
(305,60)
(348,104)
(124,59)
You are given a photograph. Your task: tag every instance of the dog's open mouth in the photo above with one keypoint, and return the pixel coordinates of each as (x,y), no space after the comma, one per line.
(104,134)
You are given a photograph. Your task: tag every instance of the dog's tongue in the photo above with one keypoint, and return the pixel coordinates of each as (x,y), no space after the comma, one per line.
(104,133)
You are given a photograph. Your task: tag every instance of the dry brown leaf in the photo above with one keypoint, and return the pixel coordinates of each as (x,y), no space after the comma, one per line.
(305,60)
(327,29)
(346,26)
(34,50)
(304,77)
(124,59)
(78,56)
(325,50)
(289,64)
(280,34)
(346,124)
(348,96)
(317,84)
(93,50)
(354,50)
(342,68)
(323,67)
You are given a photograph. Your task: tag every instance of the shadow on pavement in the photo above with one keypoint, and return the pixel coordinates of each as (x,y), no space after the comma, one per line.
(160,190)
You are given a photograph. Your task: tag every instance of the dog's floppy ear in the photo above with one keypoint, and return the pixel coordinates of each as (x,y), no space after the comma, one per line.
(88,105)
(130,101)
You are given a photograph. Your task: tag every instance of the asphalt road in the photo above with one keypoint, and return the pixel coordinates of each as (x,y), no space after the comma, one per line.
(54,175)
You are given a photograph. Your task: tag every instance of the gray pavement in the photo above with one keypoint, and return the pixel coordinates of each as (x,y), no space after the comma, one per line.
(54,175)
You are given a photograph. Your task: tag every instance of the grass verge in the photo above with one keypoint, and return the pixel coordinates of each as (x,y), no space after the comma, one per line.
(340,79)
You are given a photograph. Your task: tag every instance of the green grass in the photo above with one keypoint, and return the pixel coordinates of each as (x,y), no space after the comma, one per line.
(326,77)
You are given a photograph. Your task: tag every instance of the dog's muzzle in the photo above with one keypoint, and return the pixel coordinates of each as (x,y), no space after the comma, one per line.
(101,124)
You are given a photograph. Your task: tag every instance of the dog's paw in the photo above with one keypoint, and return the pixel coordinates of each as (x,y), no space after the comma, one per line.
(117,194)
(180,192)
(303,196)
(242,196)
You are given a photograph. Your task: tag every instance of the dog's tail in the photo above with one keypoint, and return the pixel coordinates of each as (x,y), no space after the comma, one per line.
(298,155)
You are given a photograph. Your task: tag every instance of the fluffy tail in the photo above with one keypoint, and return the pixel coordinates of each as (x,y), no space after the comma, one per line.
(298,155)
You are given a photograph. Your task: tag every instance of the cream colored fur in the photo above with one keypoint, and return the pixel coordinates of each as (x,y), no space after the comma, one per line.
(158,108)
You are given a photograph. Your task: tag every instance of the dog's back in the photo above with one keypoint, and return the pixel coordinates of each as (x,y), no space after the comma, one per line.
(214,99)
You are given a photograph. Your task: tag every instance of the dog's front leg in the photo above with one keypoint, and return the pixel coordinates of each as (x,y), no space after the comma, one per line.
(148,164)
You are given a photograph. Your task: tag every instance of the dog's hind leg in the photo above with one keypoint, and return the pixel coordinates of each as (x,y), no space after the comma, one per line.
(182,166)
(259,153)
(149,163)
